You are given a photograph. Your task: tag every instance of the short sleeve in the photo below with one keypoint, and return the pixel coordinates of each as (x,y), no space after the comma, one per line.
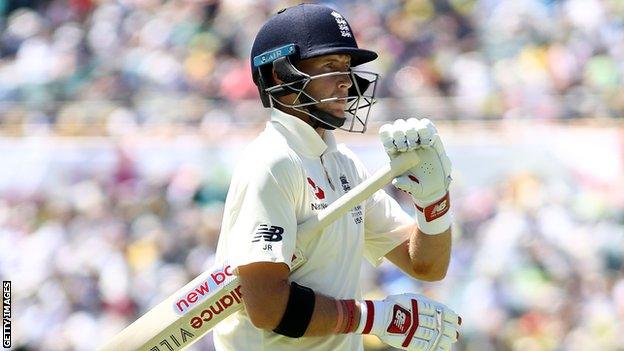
(264,227)
(386,226)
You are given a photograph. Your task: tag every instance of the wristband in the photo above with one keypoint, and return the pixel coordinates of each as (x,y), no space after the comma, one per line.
(340,317)
(350,304)
(435,218)
(367,318)
(363,316)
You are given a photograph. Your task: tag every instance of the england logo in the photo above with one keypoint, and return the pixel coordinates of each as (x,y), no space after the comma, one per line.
(342,24)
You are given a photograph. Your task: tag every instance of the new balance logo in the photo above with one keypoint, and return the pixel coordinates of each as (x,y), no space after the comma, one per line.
(401,320)
(441,207)
(266,233)
(438,209)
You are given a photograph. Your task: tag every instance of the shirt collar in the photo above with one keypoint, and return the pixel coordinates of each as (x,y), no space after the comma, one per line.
(301,136)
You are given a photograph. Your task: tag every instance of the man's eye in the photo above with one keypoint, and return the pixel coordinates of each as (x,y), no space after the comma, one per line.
(332,66)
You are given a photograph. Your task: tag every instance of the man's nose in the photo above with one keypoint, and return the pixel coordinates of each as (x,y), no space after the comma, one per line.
(344,81)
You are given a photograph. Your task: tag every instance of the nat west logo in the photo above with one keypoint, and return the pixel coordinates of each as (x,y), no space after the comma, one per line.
(345,183)
(318,207)
(401,320)
(318,192)
(266,233)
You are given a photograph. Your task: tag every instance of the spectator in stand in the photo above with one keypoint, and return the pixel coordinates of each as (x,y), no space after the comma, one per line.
(463,59)
(90,248)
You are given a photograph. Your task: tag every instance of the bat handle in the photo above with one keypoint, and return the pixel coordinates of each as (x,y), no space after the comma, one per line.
(359,193)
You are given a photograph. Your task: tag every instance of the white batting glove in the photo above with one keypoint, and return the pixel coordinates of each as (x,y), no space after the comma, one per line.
(428,182)
(410,322)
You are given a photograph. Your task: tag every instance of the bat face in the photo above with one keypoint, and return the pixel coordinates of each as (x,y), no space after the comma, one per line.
(184,317)
(190,313)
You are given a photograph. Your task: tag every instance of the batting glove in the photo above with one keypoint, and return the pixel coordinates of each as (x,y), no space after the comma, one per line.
(428,182)
(410,322)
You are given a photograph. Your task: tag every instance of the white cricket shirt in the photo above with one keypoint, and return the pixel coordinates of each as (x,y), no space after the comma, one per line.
(287,174)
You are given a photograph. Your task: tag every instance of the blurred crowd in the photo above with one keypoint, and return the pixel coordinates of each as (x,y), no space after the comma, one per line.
(84,67)
(537,261)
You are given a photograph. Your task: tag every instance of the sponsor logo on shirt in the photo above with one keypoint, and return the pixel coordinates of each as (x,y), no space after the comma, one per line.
(401,320)
(318,192)
(266,233)
(318,206)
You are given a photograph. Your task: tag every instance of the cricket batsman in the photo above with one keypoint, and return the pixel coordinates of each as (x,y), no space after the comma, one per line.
(304,63)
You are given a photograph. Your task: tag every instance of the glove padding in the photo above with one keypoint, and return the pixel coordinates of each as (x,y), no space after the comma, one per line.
(427,182)
(410,322)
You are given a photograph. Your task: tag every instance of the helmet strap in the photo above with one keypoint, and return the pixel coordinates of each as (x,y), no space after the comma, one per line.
(325,120)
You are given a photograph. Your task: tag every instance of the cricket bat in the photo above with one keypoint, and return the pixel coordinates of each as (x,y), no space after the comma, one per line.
(191,312)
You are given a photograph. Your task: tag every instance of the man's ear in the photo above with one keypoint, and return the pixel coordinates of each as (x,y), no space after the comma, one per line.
(276,79)
(287,97)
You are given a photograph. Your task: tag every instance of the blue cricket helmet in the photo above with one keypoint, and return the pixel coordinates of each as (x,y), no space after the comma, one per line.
(301,32)
(314,30)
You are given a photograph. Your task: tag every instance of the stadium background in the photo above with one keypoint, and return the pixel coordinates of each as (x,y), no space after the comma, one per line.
(121,122)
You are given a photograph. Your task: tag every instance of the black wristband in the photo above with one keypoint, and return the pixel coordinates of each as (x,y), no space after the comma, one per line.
(298,312)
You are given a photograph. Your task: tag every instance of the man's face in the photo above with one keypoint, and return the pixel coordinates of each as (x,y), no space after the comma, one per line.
(328,87)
